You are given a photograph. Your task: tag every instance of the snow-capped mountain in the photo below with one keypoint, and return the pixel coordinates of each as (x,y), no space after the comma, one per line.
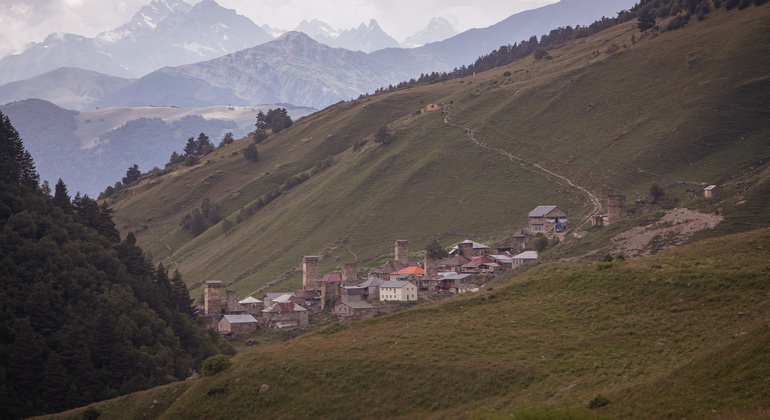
(366,38)
(164,33)
(145,20)
(438,29)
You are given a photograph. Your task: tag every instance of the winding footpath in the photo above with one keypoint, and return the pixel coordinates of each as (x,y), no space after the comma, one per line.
(531,166)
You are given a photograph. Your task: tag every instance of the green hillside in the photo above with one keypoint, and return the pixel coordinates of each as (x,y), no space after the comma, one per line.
(682,334)
(680,105)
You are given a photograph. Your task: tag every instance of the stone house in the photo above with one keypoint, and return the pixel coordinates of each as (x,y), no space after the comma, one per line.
(352,293)
(284,314)
(449,282)
(505,261)
(330,288)
(711,191)
(547,219)
(371,287)
(402,291)
(453,264)
(524,257)
(252,305)
(469,249)
(479,265)
(352,311)
(238,324)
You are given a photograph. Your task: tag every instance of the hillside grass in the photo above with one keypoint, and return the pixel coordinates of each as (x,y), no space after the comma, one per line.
(682,334)
(681,105)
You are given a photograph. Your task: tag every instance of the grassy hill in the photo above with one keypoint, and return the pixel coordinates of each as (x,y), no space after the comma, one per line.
(681,334)
(679,105)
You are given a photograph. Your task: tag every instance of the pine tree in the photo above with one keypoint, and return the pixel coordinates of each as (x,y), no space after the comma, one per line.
(61,197)
(16,164)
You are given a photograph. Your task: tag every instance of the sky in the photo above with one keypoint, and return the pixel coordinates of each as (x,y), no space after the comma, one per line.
(25,21)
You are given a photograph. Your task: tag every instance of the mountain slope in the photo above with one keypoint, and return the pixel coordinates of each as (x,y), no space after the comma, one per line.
(92,150)
(68,87)
(292,69)
(464,48)
(541,344)
(554,131)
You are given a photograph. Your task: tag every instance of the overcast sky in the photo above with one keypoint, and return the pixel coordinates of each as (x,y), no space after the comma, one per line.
(25,21)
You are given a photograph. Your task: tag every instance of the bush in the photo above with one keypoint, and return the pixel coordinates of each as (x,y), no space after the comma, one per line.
(598,401)
(215,364)
(91,413)
(191,160)
(251,153)
(507,74)
(581,33)
(541,53)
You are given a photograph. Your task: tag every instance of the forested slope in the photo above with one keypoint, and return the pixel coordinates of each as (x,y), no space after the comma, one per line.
(84,316)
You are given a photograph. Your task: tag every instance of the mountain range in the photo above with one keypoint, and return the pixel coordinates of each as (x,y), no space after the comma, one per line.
(233,65)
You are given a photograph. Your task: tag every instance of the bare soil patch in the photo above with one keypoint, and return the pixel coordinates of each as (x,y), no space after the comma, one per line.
(673,229)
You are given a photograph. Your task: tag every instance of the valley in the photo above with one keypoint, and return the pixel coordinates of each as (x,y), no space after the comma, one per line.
(642,154)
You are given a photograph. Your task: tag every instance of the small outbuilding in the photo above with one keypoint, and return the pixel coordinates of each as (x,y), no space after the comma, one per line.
(352,311)
(238,324)
(711,191)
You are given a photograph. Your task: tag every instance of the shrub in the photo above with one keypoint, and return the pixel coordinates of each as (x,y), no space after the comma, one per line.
(259,136)
(215,364)
(581,33)
(541,53)
(91,413)
(598,401)
(251,153)
(191,160)
(507,74)
(218,389)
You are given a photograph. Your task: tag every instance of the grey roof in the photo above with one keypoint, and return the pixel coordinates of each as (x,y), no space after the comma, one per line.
(526,255)
(240,319)
(372,282)
(476,245)
(541,211)
(275,295)
(395,284)
(354,290)
(250,299)
(456,276)
(359,305)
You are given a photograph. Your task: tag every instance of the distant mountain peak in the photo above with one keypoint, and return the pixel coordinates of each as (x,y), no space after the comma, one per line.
(438,29)
(145,20)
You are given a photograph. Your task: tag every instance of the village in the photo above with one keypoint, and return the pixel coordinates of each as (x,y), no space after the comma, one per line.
(467,267)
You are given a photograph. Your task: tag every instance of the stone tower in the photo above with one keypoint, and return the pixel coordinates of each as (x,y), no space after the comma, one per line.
(465,249)
(402,251)
(616,207)
(350,273)
(431,266)
(212,298)
(310,272)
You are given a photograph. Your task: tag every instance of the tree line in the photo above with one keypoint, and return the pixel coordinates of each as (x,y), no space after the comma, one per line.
(84,315)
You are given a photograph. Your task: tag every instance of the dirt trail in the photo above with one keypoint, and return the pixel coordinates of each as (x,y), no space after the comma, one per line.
(531,166)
